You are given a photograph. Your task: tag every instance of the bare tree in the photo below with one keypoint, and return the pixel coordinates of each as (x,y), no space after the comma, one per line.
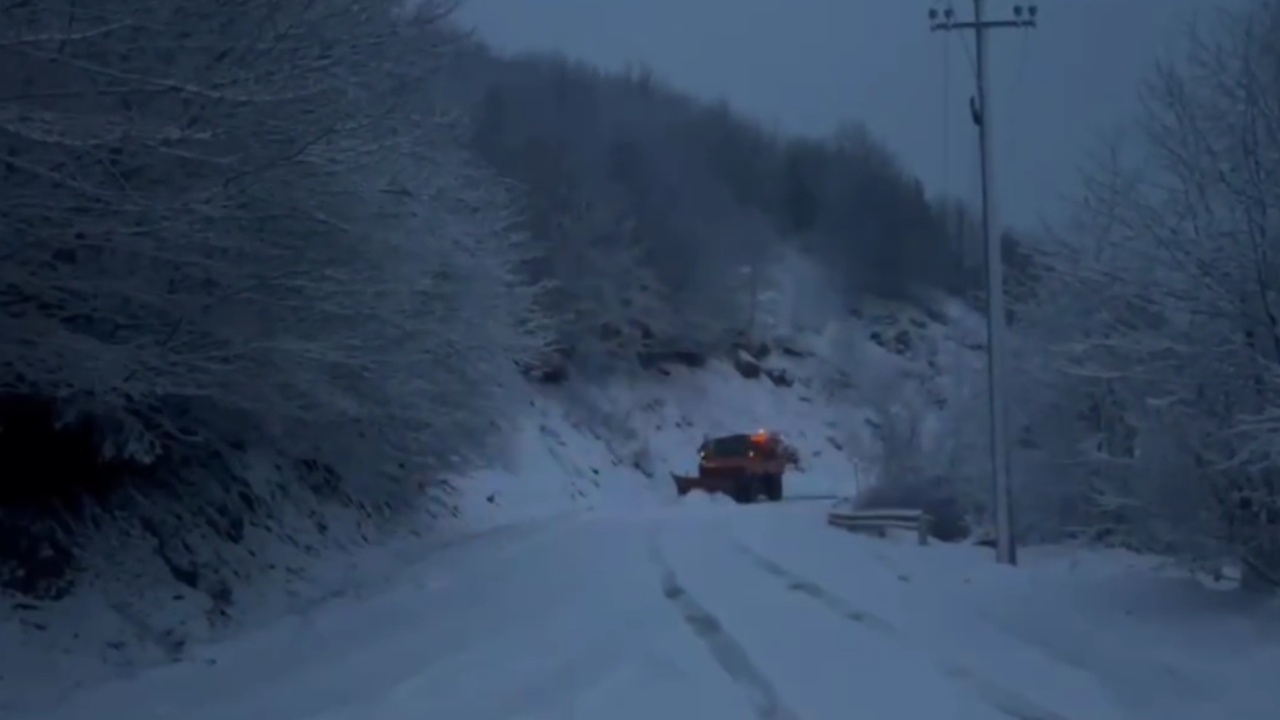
(1181,341)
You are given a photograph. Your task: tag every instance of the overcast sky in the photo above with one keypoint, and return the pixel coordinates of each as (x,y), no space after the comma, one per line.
(807,65)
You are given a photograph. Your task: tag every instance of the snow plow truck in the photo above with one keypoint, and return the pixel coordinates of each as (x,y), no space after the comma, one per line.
(744,467)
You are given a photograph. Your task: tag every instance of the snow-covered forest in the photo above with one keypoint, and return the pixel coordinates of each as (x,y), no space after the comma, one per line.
(343,236)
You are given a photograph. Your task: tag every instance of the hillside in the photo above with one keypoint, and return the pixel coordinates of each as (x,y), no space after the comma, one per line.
(830,394)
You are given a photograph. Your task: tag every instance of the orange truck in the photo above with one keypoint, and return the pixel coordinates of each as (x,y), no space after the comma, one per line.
(744,467)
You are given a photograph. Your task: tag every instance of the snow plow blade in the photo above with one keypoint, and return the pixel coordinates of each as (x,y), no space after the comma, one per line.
(686,483)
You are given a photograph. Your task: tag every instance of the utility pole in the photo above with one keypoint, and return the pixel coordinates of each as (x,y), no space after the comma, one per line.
(980,110)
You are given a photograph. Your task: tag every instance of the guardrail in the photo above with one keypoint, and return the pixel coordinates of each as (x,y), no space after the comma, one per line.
(879,521)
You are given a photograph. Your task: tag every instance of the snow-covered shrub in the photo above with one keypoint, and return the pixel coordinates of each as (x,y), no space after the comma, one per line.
(929,423)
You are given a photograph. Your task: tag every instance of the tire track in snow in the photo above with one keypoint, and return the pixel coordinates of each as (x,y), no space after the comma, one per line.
(727,652)
(829,600)
(1007,702)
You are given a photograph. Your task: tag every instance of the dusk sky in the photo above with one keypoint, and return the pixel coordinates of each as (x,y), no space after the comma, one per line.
(806,65)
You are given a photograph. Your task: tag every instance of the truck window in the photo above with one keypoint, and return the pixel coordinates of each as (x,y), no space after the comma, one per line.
(730,446)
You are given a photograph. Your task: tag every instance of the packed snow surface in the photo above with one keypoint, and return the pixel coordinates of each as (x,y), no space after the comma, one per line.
(707,609)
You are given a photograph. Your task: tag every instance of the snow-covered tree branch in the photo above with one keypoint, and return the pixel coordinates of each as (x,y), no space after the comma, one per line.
(1171,330)
(254,223)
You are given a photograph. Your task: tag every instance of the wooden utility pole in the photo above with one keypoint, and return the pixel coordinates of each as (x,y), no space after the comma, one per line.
(980,109)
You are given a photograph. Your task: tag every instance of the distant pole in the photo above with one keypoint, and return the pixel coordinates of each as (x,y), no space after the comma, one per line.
(980,109)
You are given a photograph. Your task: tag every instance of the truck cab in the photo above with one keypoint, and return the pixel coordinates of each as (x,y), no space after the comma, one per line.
(743,466)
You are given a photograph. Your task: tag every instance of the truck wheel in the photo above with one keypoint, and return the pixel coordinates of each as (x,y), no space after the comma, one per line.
(745,491)
(773,488)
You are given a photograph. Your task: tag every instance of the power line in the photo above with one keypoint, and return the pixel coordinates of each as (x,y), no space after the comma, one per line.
(1012,141)
(980,109)
(946,119)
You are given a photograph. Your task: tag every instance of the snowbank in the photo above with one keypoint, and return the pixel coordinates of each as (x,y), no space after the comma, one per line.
(1082,628)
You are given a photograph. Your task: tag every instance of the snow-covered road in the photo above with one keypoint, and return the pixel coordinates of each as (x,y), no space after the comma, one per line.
(703,610)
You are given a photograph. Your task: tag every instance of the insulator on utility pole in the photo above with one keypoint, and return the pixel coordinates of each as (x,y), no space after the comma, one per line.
(980,110)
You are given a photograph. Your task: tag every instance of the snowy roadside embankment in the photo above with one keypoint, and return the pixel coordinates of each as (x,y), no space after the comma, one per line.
(1086,632)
